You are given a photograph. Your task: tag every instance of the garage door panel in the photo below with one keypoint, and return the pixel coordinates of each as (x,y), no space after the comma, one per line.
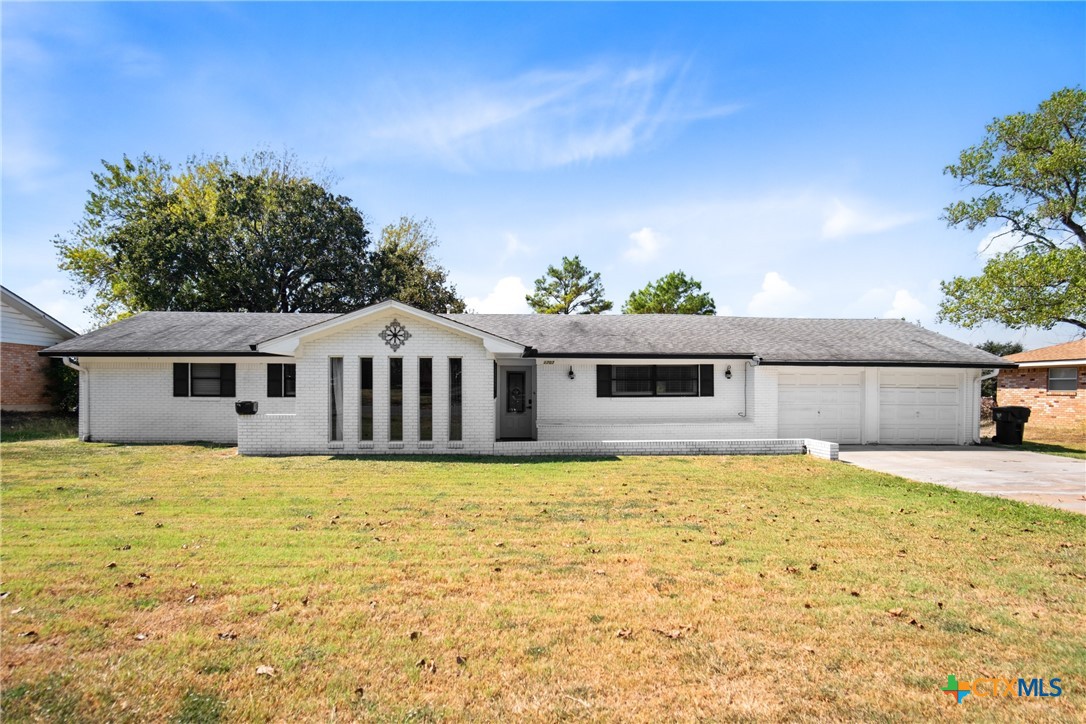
(821,405)
(920,415)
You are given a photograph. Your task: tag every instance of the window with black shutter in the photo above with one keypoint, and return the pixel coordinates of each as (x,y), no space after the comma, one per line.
(654,380)
(281,380)
(200,379)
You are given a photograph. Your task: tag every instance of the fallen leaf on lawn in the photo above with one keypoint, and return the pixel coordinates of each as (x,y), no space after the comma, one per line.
(360,691)
(718,542)
(29,634)
(1066,545)
(125,547)
(807,605)
(111,564)
(814,566)
(414,635)
(914,622)
(17,610)
(499,544)
(275,605)
(600,573)
(191,599)
(498,569)
(791,569)
(675,633)
(305,601)
(141,637)
(144,577)
(895,612)
(265,671)
(139,512)
(808,649)
(624,633)
(856,594)
(461,660)
(228,635)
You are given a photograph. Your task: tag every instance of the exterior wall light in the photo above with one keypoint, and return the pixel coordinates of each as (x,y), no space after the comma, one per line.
(728,373)
(571,375)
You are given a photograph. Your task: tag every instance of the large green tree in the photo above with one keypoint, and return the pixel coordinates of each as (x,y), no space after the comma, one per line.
(259,235)
(1030,176)
(569,289)
(673,293)
(405,268)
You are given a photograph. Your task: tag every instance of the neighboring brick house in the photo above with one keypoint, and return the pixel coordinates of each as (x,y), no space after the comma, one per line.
(393,379)
(25,330)
(1051,382)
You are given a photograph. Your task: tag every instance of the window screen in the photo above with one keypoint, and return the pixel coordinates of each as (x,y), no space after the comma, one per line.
(1062,379)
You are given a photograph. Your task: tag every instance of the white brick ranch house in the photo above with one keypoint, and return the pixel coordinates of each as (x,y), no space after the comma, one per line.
(393,379)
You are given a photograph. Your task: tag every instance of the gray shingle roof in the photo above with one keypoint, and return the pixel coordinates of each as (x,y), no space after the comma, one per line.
(197,333)
(774,339)
(796,341)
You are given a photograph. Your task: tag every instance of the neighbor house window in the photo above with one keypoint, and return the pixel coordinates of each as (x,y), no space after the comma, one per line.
(395,399)
(335,399)
(426,398)
(654,380)
(281,380)
(203,380)
(456,400)
(365,399)
(1062,379)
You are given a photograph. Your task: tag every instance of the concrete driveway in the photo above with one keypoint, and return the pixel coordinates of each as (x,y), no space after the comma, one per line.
(1027,476)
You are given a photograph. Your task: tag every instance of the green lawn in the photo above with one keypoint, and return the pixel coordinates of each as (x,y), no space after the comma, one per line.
(151,582)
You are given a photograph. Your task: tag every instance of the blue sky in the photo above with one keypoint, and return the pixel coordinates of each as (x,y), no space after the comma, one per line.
(789,156)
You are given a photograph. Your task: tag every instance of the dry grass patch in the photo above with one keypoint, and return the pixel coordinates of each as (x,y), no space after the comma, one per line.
(637,588)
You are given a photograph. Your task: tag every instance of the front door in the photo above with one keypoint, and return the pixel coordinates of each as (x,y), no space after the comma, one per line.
(515,415)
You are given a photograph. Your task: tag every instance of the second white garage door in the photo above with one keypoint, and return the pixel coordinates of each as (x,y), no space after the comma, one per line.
(918,408)
(821,405)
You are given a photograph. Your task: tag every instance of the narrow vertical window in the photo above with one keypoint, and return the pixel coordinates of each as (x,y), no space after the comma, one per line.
(395,399)
(365,399)
(426,398)
(335,399)
(456,406)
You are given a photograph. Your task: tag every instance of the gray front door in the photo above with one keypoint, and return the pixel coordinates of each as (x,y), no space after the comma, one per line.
(515,402)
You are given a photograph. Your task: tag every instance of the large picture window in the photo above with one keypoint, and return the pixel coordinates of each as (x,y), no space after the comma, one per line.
(456,400)
(1062,379)
(654,380)
(281,380)
(203,380)
(365,399)
(395,399)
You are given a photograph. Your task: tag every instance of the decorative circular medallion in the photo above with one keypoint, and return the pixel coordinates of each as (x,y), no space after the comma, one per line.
(395,335)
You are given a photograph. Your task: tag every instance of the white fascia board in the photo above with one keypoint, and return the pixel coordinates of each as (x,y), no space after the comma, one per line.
(1055,363)
(288,343)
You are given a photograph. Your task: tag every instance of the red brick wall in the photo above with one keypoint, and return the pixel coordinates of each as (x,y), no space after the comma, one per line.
(22,378)
(1028,387)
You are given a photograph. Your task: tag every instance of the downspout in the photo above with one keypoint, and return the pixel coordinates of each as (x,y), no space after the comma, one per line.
(754,362)
(982,378)
(84,375)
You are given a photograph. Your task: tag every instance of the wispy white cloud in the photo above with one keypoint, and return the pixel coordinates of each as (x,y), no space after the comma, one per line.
(538,119)
(777,297)
(842,220)
(646,246)
(507,297)
(514,247)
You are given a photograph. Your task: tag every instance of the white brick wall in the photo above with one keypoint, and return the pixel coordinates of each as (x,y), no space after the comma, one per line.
(307,432)
(131,400)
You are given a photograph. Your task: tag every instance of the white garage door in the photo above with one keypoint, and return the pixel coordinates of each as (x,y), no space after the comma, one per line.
(918,408)
(821,405)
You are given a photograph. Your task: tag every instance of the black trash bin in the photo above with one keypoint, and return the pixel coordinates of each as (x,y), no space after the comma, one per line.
(1010,424)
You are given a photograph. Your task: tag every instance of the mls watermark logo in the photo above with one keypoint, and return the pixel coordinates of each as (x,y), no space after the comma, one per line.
(999,687)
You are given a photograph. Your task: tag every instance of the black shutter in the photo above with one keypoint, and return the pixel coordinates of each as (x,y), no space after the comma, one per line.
(180,379)
(706,381)
(226,381)
(495,380)
(603,380)
(275,380)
